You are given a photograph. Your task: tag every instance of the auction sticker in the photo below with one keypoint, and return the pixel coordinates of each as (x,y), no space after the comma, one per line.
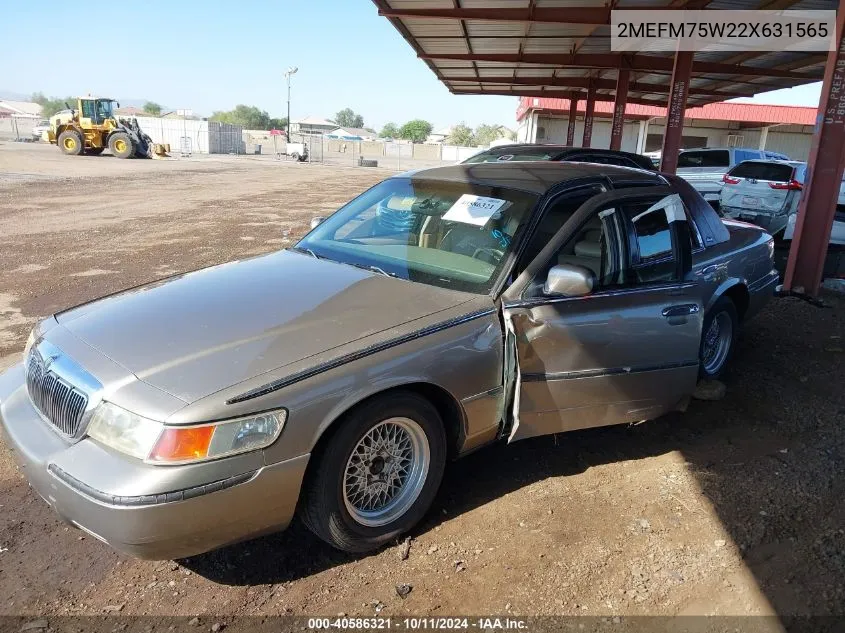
(471,209)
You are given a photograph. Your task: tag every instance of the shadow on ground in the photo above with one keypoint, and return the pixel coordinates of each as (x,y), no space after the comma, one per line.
(769,459)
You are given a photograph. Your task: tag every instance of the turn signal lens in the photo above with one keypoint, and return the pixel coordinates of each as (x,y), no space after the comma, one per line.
(791,185)
(180,444)
(186,444)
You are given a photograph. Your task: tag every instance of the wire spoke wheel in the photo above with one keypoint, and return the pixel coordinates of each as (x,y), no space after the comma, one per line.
(717,343)
(386,471)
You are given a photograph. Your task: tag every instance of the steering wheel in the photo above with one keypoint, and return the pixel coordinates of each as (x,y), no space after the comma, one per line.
(495,253)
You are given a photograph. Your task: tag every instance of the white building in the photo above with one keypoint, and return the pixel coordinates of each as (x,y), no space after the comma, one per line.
(312,125)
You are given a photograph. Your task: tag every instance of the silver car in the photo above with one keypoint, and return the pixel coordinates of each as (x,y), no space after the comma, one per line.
(336,378)
(767,193)
(704,167)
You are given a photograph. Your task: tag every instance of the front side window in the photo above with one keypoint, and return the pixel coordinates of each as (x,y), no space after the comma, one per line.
(447,234)
(654,260)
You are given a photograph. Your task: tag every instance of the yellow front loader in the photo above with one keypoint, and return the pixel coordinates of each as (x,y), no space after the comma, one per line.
(92,126)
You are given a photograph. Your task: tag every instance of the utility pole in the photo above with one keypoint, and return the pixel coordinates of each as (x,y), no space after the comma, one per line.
(290,71)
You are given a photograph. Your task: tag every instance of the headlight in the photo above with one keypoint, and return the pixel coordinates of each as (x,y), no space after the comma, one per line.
(160,444)
(30,341)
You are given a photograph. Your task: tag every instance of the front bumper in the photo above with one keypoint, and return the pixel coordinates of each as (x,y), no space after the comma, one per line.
(175,521)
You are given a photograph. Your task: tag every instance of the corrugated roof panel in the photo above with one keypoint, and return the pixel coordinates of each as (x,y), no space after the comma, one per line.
(421,4)
(486,28)
(444,46)
(571,3)
(547,29)
(549,45)
(821,5)
(445,64)
(482,45)
(716,5)
(534,71)
(486,4)
(503,67)
(458,72)
(433,28)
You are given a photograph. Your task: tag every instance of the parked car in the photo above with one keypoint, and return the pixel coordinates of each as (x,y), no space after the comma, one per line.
(336,378)
(767,192)
(703,168)
(39,128)
(533,152)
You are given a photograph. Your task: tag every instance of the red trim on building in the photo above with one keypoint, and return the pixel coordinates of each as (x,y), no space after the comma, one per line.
(723,111)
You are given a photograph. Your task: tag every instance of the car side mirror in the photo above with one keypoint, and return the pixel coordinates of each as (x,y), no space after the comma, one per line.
(315,222)
(569,280)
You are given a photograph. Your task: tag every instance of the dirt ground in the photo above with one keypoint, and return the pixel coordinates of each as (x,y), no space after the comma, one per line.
(735,507)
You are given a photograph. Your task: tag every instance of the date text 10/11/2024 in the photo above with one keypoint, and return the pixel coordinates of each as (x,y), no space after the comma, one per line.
(417,624)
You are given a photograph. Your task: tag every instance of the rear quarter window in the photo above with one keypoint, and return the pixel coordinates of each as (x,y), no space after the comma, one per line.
(763,171)
(705,158)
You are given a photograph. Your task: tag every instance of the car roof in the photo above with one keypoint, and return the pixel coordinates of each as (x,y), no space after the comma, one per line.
(535,177)
(549,148)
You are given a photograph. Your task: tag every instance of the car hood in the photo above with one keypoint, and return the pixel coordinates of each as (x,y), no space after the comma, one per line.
(197,333)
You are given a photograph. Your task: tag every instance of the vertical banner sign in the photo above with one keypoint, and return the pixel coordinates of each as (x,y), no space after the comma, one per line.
(618,125)
(588,116)
(817,207)
(573,113)
(675,111)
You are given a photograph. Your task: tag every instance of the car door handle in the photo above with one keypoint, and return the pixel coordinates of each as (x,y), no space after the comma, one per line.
(681,310)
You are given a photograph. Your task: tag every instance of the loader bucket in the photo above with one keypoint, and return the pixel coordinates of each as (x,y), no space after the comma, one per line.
(160,150)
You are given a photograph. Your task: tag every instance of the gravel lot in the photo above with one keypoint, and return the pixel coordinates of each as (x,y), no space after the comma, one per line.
(735,507)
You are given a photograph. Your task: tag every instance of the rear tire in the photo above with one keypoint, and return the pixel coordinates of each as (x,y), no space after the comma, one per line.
(377,475)
(718,338)
(120,145)
(71,143)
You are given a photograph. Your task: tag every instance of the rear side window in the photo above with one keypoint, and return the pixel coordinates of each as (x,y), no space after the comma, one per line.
(705,158)
(777,172)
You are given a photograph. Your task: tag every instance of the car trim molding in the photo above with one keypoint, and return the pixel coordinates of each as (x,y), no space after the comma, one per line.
(353,356)
(610,371)
(533,302)
(147,500)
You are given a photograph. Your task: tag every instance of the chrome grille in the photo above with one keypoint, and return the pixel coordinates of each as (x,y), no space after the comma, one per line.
(57,400)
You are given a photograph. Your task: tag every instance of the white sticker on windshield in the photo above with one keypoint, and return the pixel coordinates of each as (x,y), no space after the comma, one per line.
(471,209)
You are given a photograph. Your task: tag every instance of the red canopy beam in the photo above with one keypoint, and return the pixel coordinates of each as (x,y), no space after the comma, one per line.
(601,84)
(636,63)
(817,207)
(589,110)
(618,125)
(573,112)
(675,111)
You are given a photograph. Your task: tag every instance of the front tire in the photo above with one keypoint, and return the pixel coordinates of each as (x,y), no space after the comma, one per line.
(70,142)
(718,337)
(378,474)
(120,145)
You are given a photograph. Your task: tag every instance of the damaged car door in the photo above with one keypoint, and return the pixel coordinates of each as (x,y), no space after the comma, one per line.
(604,324)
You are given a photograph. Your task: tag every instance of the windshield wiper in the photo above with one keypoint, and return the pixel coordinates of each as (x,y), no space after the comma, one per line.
(372,268)
(302,249)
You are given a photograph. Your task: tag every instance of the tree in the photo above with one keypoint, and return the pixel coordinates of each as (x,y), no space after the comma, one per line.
(348,118)
(390,130)
(51,105)
(461,134)
(151,107)
(248,117)
(416,130)
(278,123)
(485,134)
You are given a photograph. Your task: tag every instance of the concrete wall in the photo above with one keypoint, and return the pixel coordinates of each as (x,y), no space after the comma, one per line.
(426,152)
(17,127)
(794,140)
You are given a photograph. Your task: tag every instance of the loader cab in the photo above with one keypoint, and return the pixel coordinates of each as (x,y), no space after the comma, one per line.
(98,111)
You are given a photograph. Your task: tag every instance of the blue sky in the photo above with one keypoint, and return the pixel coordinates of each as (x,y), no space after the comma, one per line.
(205,56)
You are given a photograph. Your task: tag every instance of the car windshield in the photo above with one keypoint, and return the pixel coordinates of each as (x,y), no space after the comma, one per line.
(449,234)
(512,153)
(705,158)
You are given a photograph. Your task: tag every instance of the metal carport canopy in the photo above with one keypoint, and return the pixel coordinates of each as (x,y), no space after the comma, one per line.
(556,47)
(561,48)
